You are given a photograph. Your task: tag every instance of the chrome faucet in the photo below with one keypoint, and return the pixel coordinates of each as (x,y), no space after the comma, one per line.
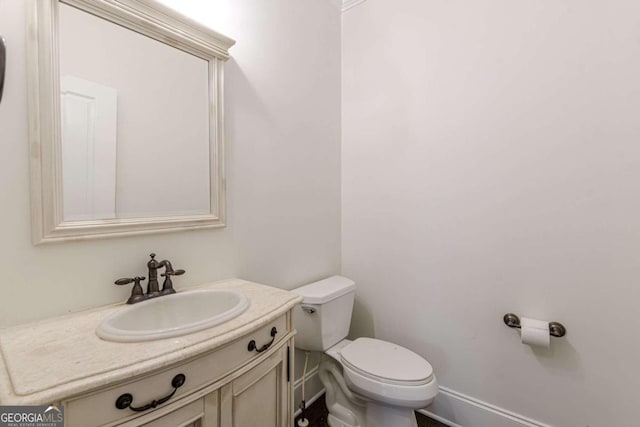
(152,286)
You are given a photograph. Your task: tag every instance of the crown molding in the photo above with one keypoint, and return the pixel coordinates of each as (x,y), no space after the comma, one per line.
(348,4)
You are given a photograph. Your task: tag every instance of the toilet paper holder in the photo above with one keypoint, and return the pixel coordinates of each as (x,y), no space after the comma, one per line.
(555,329)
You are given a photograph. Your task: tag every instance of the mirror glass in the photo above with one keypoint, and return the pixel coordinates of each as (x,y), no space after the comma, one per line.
(135,123)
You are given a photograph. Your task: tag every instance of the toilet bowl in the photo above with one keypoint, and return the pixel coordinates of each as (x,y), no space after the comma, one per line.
(368,382)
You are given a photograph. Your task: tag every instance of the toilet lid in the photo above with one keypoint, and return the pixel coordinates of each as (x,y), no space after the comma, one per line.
(386,360)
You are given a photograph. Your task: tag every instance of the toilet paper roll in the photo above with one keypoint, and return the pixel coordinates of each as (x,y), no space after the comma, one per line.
(535,332)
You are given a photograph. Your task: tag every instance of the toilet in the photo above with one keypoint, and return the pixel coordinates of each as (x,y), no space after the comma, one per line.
(368,382)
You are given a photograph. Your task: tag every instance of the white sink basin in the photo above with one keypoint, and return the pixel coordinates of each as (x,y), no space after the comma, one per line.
(173,315)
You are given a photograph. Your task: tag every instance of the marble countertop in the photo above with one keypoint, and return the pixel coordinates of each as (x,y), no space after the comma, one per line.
(52,359)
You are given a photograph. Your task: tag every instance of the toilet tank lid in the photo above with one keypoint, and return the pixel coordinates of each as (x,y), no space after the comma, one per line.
(325,290)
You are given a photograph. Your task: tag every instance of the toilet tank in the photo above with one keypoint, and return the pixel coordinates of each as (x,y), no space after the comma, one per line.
(324,315)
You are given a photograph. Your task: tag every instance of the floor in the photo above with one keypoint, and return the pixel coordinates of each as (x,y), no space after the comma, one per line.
(317,416)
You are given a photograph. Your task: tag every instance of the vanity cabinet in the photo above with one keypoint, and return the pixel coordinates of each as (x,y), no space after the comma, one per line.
(235,374)
(229,387)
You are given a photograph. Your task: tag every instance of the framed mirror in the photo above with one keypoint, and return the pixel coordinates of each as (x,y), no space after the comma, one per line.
(126,120)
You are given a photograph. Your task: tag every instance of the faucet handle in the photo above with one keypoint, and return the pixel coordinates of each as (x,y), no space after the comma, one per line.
(128,280)
(173,273)
(136,292)
(167,286)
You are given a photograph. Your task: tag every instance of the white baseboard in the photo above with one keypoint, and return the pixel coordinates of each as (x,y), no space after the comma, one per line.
(459,410)
(313,389)
(450,407)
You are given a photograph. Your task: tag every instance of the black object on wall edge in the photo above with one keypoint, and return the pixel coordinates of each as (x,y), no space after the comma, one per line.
(3,64)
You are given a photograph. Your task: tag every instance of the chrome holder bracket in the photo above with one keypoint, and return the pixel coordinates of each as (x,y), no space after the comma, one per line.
(556,329)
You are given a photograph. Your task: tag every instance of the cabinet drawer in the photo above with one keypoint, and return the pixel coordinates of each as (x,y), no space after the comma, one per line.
(99,408)
(188,415)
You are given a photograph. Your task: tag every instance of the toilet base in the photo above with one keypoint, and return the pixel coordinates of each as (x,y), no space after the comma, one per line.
(385,416)
(380,416)
(347,409)
(334,421)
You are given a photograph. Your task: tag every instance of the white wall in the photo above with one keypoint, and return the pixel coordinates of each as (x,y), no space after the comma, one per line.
(283,128)
(491,163)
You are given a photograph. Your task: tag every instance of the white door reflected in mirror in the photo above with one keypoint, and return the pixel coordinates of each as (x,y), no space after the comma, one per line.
(89,126)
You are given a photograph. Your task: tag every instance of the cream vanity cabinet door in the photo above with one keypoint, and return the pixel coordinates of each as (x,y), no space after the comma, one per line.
(201,413)
(260,397)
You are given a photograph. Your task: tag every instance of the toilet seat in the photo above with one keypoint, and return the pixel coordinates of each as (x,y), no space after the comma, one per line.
(386,362)
(388,373)
(371,377)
